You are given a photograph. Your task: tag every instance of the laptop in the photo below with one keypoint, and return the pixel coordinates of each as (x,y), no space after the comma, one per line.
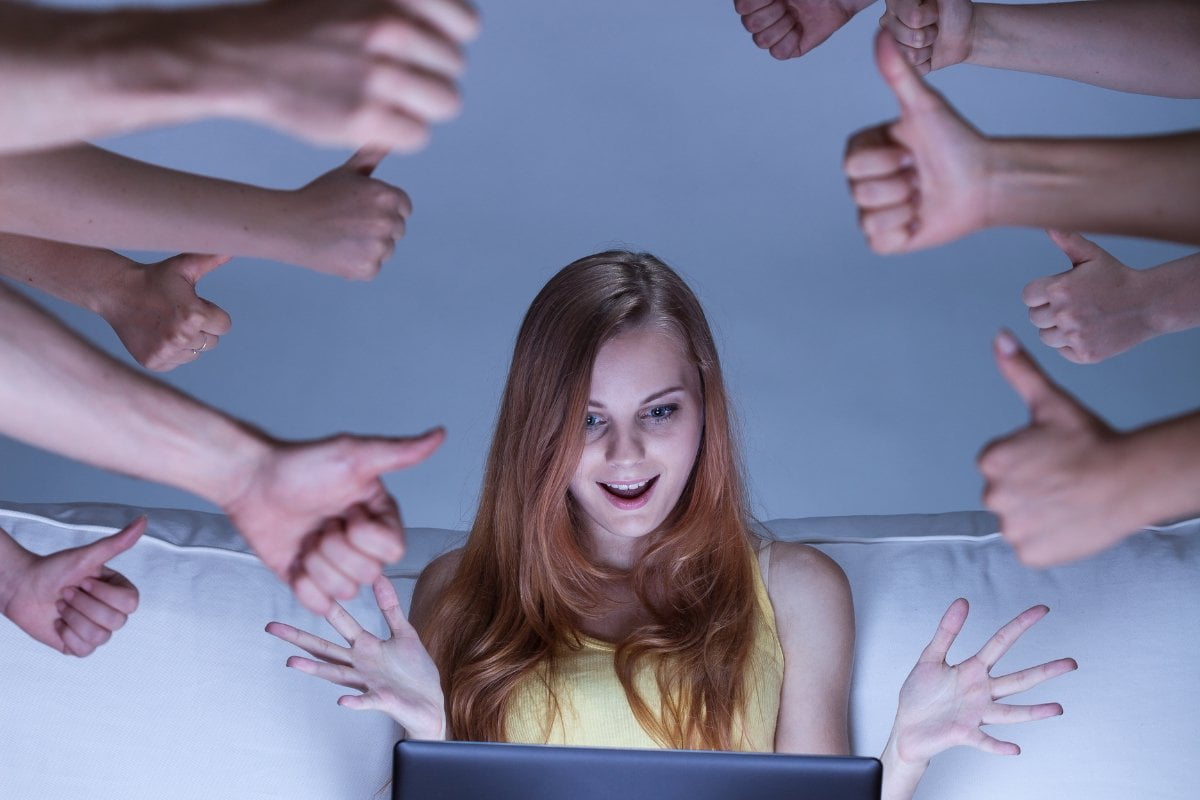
(426,770)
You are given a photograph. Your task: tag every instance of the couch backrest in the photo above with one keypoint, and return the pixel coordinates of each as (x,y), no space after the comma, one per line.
(192,699)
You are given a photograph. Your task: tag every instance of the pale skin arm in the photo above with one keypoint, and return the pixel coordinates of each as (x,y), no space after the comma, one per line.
(930,178)
(343,223)
(1067,486)
(153,308)
(791,28)
(355,72)
(1100,307)
(68,600)
(811,598)
(315,512)
(1146,46)
(394,675)
(941,706)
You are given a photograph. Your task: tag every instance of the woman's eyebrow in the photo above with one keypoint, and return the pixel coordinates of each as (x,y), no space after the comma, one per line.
(650,399)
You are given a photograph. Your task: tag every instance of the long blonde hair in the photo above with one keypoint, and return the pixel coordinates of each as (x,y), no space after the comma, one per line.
(524,580)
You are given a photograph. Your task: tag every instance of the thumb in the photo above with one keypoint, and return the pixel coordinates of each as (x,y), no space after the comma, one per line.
(101,551)
(196,265)
(387,454)
(1075,247)
(1046,401)
(901,76)
(365,160)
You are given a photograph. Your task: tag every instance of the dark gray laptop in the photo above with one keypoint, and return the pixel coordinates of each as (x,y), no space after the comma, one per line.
(482,771)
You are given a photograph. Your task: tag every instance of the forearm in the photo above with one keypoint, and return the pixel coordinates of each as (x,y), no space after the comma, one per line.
(61,394)
(1176,294)
(1147,186)
(1161,464)
(1148,46)
(89,196)
(88,277)
(68,74)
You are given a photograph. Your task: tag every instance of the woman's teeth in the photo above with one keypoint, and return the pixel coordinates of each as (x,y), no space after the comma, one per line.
(628,490)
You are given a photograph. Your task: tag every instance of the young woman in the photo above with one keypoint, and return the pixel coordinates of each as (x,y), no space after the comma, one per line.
(611,592)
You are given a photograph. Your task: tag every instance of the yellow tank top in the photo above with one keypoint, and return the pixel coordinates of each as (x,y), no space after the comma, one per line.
(594,712)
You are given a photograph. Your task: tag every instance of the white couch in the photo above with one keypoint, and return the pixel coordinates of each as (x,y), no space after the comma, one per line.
(191,699)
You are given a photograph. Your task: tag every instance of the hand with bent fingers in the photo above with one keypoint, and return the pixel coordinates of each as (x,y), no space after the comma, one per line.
(319,516)
(159,317)
(345,222)
(394,675)
(1060,485)
(943,706)
(352,72)
(1097,309)
(931,35)
(917,181)
(791,28)
(69,600)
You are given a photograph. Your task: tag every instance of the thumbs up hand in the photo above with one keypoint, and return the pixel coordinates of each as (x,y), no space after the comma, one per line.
(1096,309)
(344,222)
(1057,484)
(918,181)
(69,600)
(318,514)
(157,314)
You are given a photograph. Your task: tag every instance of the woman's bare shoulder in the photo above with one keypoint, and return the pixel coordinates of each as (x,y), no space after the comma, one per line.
(803,580)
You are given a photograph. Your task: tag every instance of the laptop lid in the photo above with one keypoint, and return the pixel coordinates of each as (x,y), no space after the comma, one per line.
(424,770)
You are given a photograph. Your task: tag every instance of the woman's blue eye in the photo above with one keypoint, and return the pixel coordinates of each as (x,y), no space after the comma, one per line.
(591,422)
(659,413)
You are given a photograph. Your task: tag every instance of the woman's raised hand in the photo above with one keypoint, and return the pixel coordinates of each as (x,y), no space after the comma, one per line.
(394,675)
(942,706)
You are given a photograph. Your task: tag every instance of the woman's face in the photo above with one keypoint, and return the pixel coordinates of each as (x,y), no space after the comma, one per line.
(643,425)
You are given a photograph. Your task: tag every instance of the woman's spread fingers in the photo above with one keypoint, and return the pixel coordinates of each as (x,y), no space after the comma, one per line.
(995,647)
(334,673)
(1017,682)
(313,645)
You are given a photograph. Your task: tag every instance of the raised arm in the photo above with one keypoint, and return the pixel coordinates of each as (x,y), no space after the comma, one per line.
(791,28)
(69,600)
(930,178)
(153,308)
(1146,46)
(943,705)
(1067,486)
(353,72)
(342,223)
(1100,307)
(393,675)
(315,512)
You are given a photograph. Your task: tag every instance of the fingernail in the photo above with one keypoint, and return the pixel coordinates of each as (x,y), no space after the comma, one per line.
(69,593)
(1006,343)
(87,585)
(906,159)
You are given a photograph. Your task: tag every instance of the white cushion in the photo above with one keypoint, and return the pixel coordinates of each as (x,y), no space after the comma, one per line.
(191,699)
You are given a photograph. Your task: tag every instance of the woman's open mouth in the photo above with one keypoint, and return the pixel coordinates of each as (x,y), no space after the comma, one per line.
(628,496)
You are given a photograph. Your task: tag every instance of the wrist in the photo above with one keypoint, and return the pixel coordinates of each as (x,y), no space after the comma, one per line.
(430,725)
(110,281)
(1153,483)
(852,7)
(248,455)
(143,58)
(15,561)
(900,776)
(1172,295)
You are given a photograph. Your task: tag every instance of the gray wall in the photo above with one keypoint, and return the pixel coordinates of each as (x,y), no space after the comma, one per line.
(864,384)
